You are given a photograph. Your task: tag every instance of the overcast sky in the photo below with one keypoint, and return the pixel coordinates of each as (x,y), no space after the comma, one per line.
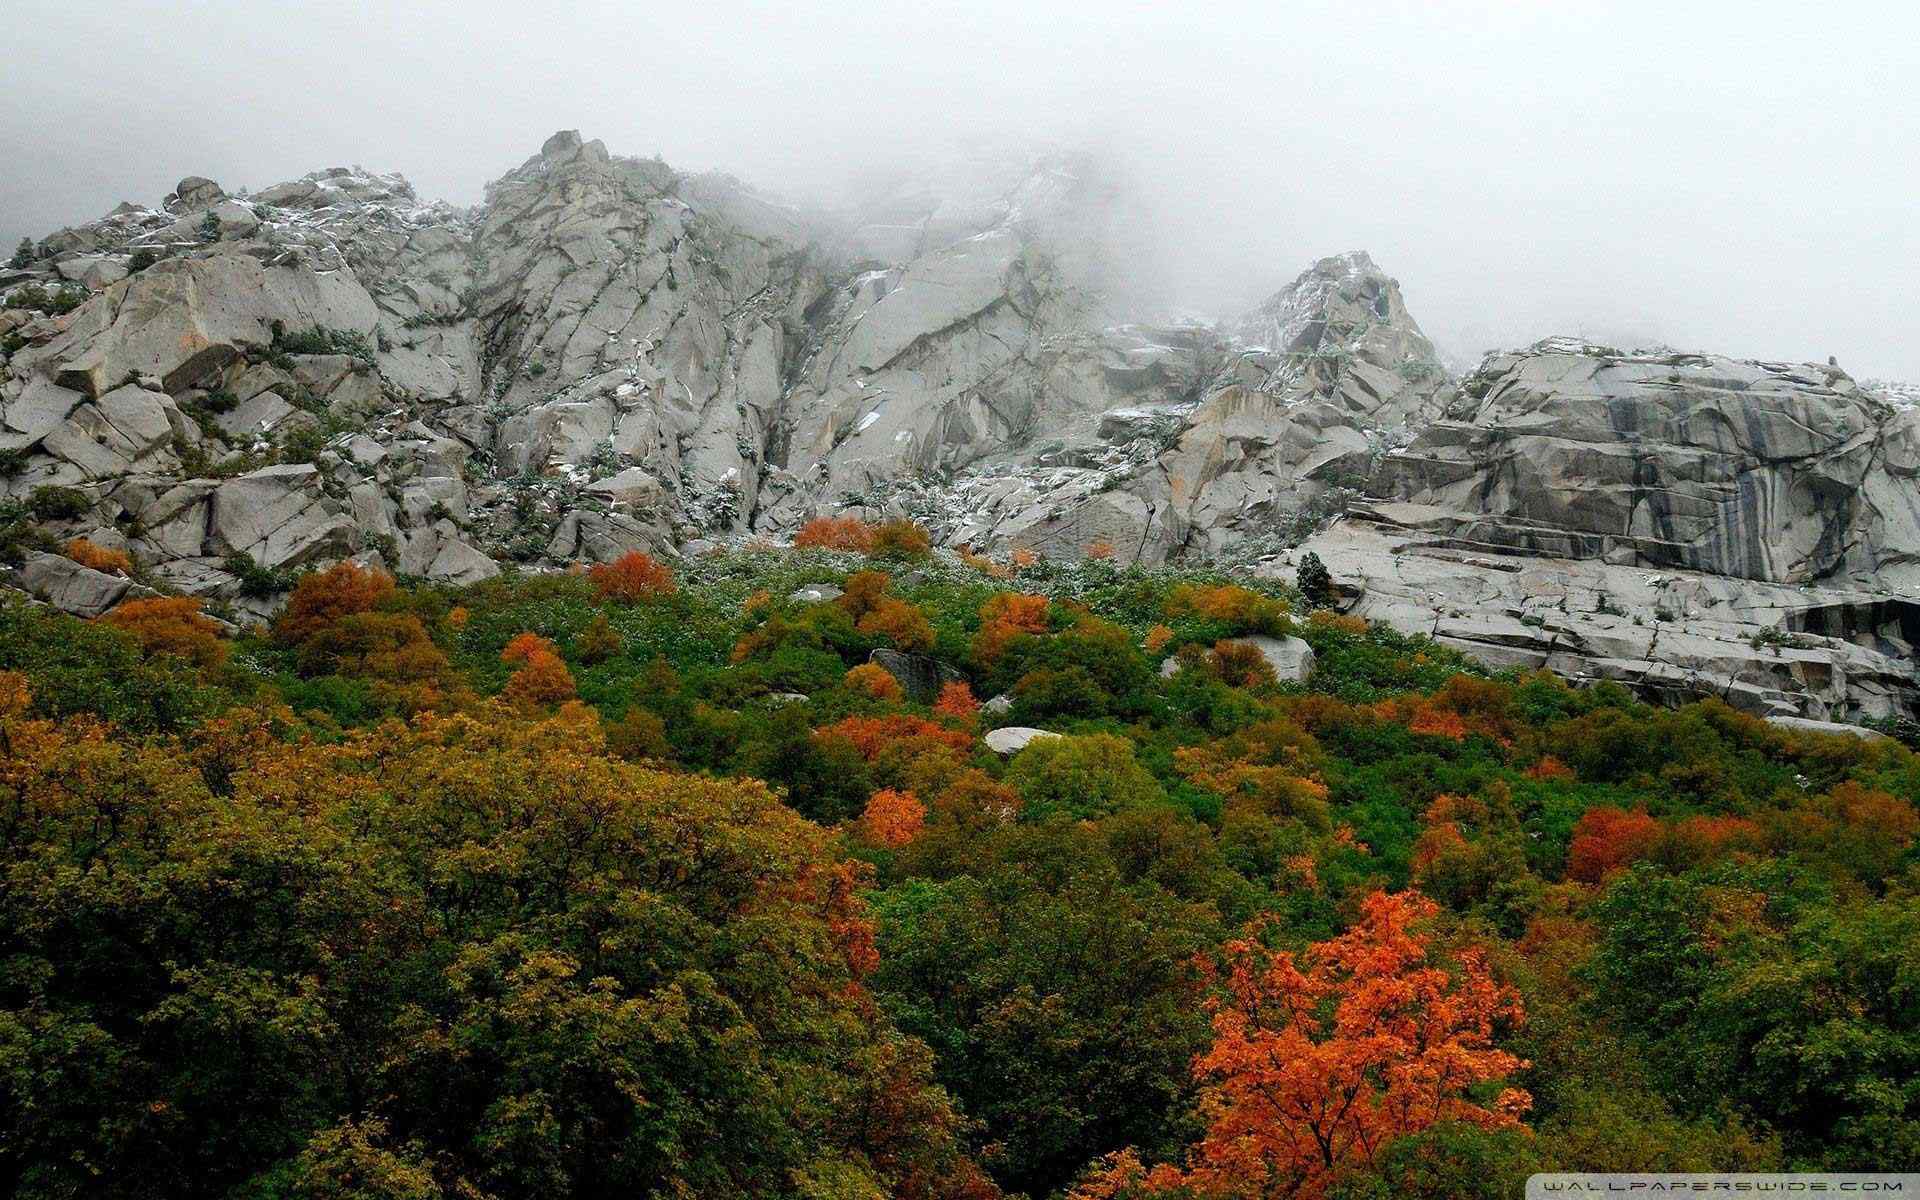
(1741,177)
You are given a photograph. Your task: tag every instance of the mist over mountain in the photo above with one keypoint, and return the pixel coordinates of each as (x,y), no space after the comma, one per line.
(1733,178)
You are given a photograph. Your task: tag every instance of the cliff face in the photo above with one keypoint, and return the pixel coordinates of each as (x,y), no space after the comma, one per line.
(608,355)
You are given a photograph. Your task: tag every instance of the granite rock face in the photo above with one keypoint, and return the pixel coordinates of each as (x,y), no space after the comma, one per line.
(608,355)
(1764,471)
(1828,652)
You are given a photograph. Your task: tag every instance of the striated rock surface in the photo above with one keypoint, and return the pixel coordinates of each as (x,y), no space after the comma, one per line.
(1765,471)
(608,354)
(1826,652)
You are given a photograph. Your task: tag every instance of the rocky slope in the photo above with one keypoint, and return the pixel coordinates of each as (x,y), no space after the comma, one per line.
(608,354)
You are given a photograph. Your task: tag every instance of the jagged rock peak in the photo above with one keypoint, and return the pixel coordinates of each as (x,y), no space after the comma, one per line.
(1337,293)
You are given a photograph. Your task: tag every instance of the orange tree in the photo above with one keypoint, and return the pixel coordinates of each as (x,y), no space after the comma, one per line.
(1321,1061)
(630,579)
(171,625)
(323,597)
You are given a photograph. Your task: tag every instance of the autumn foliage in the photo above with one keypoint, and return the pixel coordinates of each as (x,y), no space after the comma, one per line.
(632,578)
(900,540)
(1319,1061)
(893,818)
(382,907)
(835,533)
(880,615)
(871,735)
(874,681)
(1607,839)
(1242,610)
(542,679)
(956,701)
(324,597)
(99,558)
(1005,617)
(170,625)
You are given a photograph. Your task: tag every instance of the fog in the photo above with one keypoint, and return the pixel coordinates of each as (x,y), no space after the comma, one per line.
(1710,175)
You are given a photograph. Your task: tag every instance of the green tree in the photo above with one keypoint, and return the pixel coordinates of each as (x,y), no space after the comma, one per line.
(1086,776)
(1061,1001)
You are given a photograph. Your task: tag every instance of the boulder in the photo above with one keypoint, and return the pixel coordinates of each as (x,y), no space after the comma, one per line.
(1805,725)
(68,586)
(110,437)
(184,319)
(921,677)
(1011,739)
(93,271)
(261,413)
(281,517)
(460,563)
(631,488)
(194,191)
(1290,657)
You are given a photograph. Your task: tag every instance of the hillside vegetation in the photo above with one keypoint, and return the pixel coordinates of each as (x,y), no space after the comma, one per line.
(654,882)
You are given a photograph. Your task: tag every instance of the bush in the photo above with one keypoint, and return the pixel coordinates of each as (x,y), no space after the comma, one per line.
(1238,610)
(171,625)
(835,533)
(630,579)
(321,340)
(893,818)
(600,642)
(22,255)
(901,540)
(638,736)
(542,680)
(898,622)
(1081,777)
(256,581)
(874,682)
(321,598)
(51,502)
(98,558)
(1607,840)
(1240,664)
(1315,584)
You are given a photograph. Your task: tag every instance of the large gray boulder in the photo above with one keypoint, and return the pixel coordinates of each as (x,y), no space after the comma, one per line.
(920,677)
(1291,658)
(1012,739)
(68,586)
(183,319)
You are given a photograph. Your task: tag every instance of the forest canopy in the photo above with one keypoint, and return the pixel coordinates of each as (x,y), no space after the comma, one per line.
(681,879)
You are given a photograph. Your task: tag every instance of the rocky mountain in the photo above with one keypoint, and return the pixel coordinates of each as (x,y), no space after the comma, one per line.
(608,354)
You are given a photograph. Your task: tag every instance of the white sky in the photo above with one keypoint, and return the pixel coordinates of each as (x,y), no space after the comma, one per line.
(1738,177)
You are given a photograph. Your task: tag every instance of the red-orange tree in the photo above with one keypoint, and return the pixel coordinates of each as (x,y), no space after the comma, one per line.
(630,579)
(171,625)
(324,597)
(543,678)
(1320,1062)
